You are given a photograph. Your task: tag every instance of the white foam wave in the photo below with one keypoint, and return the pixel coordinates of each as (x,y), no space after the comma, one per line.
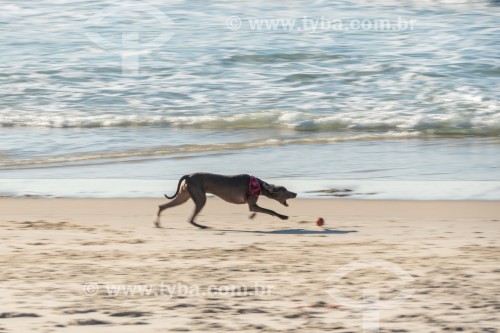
(481,122)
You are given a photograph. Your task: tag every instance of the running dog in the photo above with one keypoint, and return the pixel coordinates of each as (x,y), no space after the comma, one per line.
(239,189)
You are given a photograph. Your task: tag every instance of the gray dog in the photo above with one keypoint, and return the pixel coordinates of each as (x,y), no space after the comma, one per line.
(237,189)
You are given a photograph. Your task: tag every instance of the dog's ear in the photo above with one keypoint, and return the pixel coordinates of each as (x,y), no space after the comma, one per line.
(268,187)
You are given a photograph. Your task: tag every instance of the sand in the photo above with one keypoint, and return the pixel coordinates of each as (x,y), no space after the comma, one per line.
(99,265)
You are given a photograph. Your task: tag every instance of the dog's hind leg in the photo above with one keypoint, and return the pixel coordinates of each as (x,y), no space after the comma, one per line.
(181,198)
(199,197)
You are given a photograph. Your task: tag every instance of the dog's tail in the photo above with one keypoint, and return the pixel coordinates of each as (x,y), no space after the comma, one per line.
(178,188)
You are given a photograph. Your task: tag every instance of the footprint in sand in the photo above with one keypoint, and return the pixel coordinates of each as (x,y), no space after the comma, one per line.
(4,315)
(85,322)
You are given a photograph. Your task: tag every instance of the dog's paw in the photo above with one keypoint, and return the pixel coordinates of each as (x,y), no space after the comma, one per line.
(283,217)
(251,216)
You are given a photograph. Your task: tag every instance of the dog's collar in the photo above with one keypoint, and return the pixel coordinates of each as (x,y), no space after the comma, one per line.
(253,188)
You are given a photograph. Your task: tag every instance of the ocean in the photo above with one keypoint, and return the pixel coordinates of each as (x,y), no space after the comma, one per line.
(350,99)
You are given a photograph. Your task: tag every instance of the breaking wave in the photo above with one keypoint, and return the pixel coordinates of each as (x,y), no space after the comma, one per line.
(473,123)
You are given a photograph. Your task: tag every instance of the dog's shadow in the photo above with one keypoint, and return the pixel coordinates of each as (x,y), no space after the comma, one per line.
(291,231)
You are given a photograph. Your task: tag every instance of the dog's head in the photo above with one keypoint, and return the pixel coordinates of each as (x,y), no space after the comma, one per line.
(278,193)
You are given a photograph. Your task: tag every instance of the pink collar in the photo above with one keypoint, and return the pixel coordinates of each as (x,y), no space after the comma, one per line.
(253,188)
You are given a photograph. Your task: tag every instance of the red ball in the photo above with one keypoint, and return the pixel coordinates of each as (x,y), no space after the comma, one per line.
(320,222)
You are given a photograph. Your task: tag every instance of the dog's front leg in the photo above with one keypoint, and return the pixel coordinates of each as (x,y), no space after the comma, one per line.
(257,209)
(252,205)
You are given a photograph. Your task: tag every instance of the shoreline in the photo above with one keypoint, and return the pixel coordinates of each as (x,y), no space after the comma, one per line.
(306,188)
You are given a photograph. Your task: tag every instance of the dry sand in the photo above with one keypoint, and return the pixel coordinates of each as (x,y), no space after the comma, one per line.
(62,260)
